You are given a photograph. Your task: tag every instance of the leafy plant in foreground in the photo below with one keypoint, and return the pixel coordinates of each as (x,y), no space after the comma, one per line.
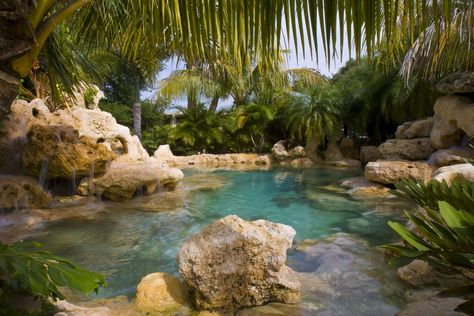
(41,273)
(443,231)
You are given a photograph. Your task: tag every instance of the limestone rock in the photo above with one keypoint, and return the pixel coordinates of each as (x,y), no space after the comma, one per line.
(459,82)
(68,309)
(161,293)
(345,163)
(123,180)
(18,192)
(390,172)
(297,152)
(453,118)
(279,151)
(360,187)
(368,154)
(455,172)
(448,157)
(406,149)
(417,273)
(233,263)
(301,162)
(163,153)
(434,306)
(210,161)
(415,129)
(59,152)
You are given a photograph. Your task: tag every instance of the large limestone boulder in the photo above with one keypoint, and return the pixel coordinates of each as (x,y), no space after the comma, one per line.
(453,118)
(415,129)
(406,149)
(124,179)
(18,192)
(463,172)
(279,150)
(99,126)
(390,172)
(368,154)
(234,263)
(57,151)
(457,83)
(161,293)
(448,157)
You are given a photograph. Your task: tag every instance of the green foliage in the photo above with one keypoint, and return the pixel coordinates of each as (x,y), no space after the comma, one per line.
(89,95)
(199,129)
(444,233)
(158,135)
(121,112)
(375,101)
(313,115)
(41,273)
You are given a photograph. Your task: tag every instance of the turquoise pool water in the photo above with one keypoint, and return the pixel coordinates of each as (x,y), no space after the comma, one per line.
(346,273)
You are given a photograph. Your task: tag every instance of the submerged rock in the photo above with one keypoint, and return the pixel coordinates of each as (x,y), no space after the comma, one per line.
(301,162)
(161,293)
(233,263)
(17,192)
(360,187)
(390,172)
(417,273)
(406,149)
(57,151)
(453,118)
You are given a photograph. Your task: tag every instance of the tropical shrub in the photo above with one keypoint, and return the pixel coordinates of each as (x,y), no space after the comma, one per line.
(443,231)
(199,130)
(40,274)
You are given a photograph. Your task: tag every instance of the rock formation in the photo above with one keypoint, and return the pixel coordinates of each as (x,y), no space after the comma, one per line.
(22,192)
(453,118)
(83,141)
(415,129)
(463,172)
(233,263)
(390,172)
(406,149)
(59,152)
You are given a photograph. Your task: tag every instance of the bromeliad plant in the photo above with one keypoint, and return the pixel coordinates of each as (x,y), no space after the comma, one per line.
(444,229)
(41,273)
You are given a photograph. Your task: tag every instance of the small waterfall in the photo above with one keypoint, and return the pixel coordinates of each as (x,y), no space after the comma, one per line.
(73,183)
(91,178)
(43,173)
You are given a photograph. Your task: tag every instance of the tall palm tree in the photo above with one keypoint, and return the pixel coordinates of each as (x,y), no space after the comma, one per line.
(312,117)
(209,28)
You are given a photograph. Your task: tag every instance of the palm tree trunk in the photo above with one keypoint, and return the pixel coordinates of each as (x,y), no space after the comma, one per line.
(214,103)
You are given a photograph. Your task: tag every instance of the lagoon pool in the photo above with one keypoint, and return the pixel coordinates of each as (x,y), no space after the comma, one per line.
(335,249)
